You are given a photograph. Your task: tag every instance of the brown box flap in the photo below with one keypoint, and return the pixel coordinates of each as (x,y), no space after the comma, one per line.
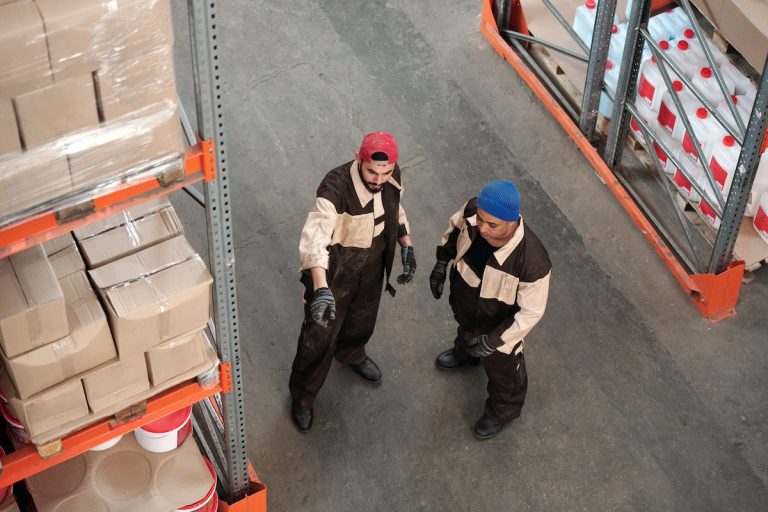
(67,261)
(115,381)
(120,218)
(57,244)
(175,356)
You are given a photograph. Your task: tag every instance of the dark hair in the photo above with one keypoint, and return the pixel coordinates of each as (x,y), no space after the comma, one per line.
(379,156)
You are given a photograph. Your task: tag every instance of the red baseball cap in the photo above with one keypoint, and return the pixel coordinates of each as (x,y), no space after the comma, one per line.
(378,142)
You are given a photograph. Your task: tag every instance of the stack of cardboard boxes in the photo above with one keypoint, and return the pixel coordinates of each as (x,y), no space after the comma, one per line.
(87,96)
(77,344)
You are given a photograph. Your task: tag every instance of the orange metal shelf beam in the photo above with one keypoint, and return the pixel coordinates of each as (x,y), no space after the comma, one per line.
(199,165)
(26,462)
(713,295)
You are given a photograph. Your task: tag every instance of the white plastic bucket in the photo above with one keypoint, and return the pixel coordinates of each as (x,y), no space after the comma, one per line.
(760,222)
(688,56)
(106,445)
(706,83)
(706,129)
(650,82)
(668,116)
(209,502)
(723,157)
(165,434)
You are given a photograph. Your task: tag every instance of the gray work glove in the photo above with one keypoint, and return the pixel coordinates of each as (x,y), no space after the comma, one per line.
(437,279)
(480,346)
(323,306)
(409,265)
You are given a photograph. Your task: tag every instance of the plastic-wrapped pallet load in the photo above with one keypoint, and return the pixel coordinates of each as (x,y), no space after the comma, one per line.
(87,97)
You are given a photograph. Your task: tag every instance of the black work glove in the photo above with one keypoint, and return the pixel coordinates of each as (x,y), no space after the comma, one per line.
(480,346)
(437,279)
(409,265)
(323,305)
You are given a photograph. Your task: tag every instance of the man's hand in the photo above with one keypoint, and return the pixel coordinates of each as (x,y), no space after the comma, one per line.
(479,346)
(323,306)
(437,279)
(409,265)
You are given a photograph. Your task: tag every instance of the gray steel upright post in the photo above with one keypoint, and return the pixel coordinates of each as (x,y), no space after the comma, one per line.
(743,178)
(625,88)
(593,85)
(208,94)
(503,9)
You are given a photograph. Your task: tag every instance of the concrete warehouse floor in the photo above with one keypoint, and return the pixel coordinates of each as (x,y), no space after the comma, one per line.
(635,401)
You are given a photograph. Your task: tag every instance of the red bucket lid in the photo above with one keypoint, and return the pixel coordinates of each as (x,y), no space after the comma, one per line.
(169,423)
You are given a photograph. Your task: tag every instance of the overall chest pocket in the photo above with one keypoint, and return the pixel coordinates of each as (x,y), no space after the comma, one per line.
(499,285)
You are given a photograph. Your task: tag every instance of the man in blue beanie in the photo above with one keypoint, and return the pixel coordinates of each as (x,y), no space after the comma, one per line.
(498,292)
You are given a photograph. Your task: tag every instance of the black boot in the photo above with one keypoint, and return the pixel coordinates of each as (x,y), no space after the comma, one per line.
(446,360)
(368,370)
(485,428)
(302,417)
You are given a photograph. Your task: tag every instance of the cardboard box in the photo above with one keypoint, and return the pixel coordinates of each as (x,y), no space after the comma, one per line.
(129,238)
(67,262)
(29,179)
(118,219)
(154,295)
(24,66)
(744,23)
(32,310)
(174,357)
(9,504)
(138,145)
(71,29)
(88,345)
(57,244)
(115,381)
(125,478)
(137,86)
(50,113)
(53,407)
(120,24)
(9,132)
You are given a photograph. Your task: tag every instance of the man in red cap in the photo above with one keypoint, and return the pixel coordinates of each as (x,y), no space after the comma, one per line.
(347,248)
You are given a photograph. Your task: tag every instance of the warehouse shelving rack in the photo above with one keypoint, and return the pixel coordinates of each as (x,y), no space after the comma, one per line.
(219,417)
(713,285)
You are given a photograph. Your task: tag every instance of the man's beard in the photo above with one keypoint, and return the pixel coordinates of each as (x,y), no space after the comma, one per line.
(372,190)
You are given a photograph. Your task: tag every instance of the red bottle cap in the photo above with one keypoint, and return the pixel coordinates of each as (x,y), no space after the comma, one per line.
(682,45)
(677,85)
(591,4)
(706,72)
(689,33)
(701,113)
(614,29)
(735,100)
(608,64)
(664,44)
(728,141)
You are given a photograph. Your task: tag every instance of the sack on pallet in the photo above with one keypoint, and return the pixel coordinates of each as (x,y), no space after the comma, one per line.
(32,307)
(88,344)
(115,381)
(47,410)
(154,295)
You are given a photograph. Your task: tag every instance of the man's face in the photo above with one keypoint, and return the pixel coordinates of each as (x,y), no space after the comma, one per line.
(375,174)
(496,232)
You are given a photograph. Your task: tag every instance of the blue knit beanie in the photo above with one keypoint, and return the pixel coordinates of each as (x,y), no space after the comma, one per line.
(500,199)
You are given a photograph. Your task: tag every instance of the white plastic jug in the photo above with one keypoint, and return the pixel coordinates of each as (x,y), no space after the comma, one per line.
(742,108)
(706,82)
(668,117)
(584,21)
(706,128)
(723,157)
(688,57)
(610,79)
(647,115)
(666,162)
(662,27)
(759,187)
(742,83)
(650,82)
(760,221)
(687,33)
(683,184)
(708,213)
(616,46)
